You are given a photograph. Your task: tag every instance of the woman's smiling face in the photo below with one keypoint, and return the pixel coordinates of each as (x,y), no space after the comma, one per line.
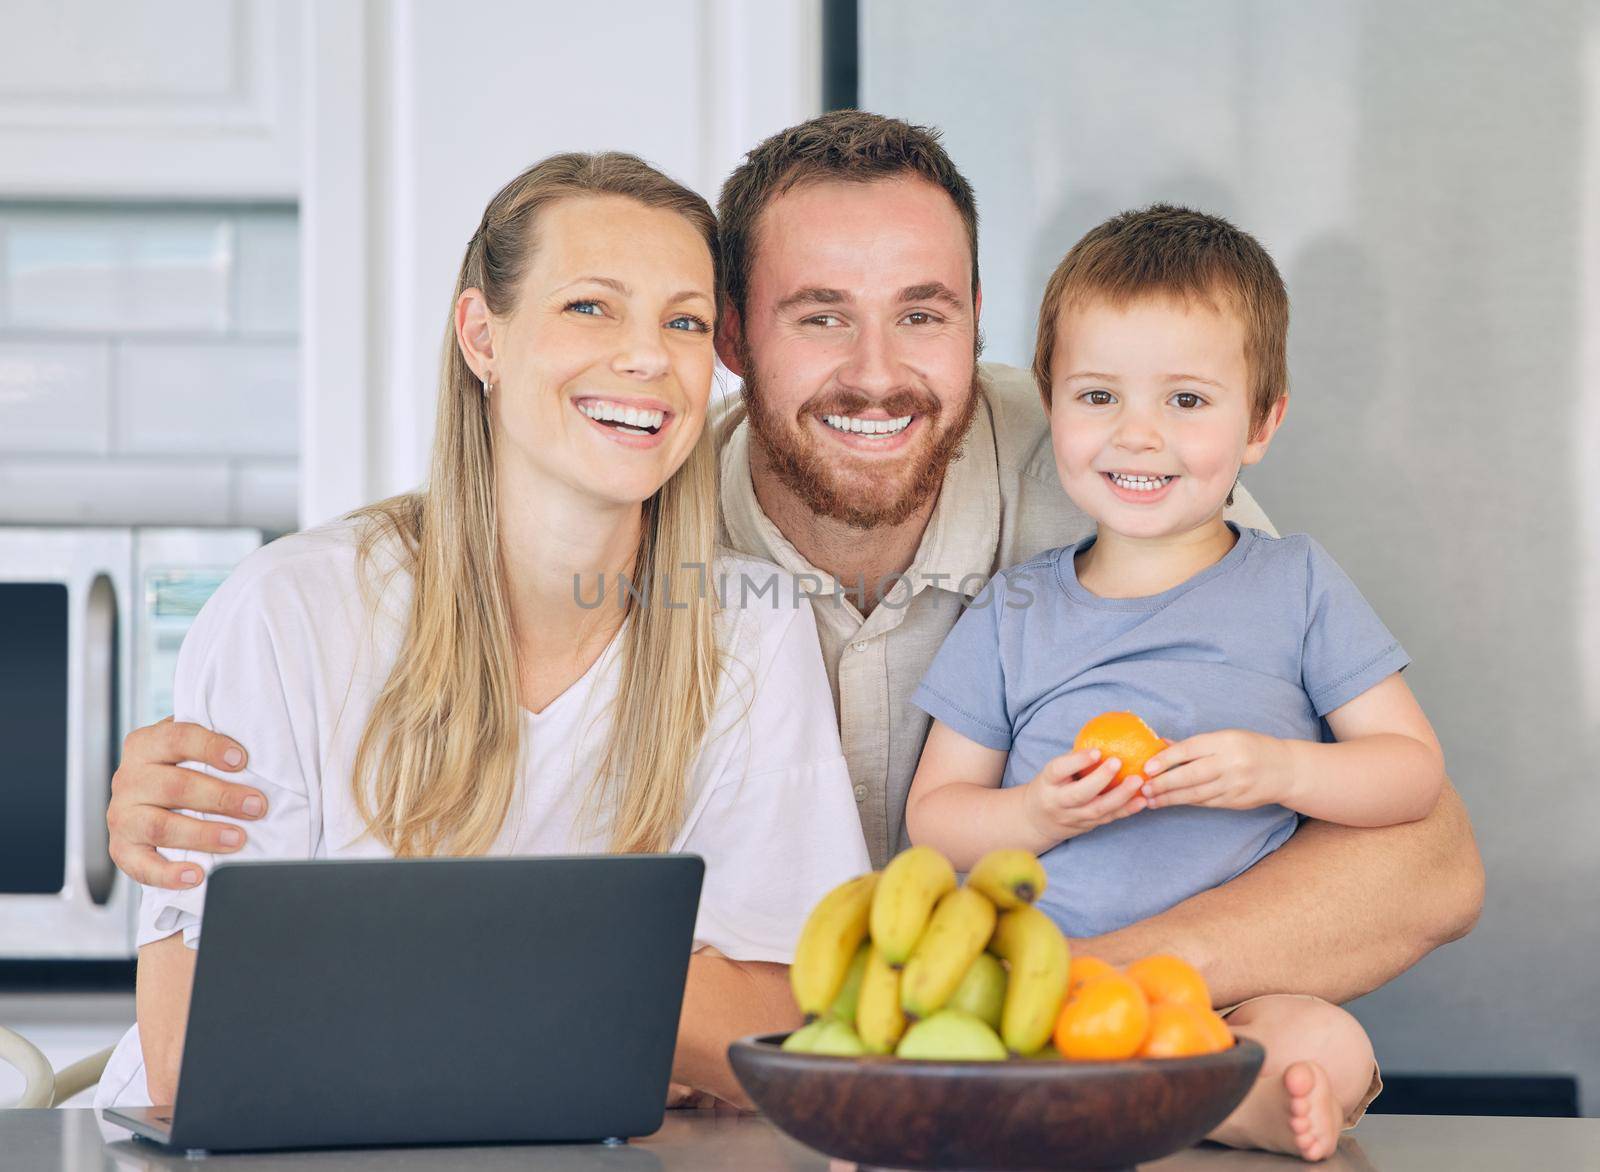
(601,373)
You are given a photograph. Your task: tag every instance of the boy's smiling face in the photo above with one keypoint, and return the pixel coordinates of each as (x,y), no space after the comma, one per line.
(1150,412)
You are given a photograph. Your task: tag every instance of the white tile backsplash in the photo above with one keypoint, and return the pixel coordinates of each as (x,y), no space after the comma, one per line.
(178,273)
(266,495)
(113,491)
(236,398)
(62,275)
(267,280)
(118,272)
(149,364)
(55,397)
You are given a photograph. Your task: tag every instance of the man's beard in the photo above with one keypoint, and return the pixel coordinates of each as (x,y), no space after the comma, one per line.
(811,475)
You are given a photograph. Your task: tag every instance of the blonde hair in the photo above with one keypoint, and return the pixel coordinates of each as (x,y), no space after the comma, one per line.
(436,769)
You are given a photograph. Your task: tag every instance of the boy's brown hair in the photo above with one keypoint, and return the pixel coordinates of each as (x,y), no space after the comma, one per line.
(1176,252)
(854,146)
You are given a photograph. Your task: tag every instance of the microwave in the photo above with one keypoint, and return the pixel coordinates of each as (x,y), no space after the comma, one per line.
(91,620)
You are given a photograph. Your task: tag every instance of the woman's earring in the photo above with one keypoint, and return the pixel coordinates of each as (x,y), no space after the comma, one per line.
(485,386)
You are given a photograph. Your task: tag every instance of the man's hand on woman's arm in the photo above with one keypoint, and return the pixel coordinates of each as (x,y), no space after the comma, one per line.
(149,785)
(1336,911)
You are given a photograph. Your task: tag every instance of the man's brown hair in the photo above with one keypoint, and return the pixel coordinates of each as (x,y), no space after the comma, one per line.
(853,146)
(1170,251)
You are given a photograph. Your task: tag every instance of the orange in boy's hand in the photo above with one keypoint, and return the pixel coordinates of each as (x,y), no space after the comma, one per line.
(1106,1021)
(1121,735)
(1181,1031)
(1170,980)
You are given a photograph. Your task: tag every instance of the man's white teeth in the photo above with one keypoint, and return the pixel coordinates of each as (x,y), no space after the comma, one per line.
(867,426)
(1139,483)
(632,418)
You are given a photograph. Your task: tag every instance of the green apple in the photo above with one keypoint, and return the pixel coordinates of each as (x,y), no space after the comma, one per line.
(844,1005)
(982,991)
(825,1036)
(952,1035)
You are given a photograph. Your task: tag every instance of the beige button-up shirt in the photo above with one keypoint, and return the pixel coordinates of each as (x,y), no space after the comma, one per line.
(1001,504)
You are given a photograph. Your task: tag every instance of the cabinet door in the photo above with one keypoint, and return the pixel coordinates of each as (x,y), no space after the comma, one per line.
(150,98)
(33,728)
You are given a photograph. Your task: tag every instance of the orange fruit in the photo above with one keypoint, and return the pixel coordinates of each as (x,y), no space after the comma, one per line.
(1121,735)
(1085,969)
(1221,1035)
(1170,980)
(1181,1031)
(1106,1021)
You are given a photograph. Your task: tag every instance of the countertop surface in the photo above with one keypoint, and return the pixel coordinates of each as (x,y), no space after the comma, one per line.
(76,1140)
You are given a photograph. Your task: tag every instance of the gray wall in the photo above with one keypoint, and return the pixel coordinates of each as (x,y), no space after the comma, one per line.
(1428,178)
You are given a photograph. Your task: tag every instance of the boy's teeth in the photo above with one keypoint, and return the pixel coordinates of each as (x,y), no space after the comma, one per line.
(1140,483)
(867,426)
(630,418)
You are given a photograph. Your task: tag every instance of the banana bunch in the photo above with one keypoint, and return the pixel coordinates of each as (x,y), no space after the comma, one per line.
(908,961)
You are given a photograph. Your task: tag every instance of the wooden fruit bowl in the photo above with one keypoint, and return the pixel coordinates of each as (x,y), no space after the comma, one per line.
(992,1116)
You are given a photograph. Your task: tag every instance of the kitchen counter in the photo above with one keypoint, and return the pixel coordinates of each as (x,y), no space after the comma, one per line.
(75,1140)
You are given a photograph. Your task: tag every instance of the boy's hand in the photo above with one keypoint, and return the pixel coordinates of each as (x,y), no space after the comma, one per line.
(1064,800)
(1228,770)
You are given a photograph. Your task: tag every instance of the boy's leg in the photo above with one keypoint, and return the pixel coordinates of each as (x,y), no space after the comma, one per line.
(1315,1080)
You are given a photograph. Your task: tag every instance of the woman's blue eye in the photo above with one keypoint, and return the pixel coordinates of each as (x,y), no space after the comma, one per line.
(590,308)
(689,323)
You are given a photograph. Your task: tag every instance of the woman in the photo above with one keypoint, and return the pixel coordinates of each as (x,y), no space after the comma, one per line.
(432,675)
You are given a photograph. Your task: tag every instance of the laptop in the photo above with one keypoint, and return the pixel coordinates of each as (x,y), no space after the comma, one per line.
(432,1001)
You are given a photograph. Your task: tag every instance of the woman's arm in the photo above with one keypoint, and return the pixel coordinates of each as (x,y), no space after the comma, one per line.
(725,1000)
(1336,911)
(161,1001)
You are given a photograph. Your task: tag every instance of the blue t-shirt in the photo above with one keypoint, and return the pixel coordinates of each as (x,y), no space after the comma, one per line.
(1272,638)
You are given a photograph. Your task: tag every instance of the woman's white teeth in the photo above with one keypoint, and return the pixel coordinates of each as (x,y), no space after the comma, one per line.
(1139,483)
(867,426)
(630,418)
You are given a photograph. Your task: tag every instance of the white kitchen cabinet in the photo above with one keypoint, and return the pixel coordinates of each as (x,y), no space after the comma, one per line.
(150,99)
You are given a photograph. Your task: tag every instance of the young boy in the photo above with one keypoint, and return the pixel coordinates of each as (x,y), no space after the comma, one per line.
(1161,361)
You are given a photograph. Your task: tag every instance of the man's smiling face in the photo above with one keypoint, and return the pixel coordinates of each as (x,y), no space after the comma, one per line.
(858,344)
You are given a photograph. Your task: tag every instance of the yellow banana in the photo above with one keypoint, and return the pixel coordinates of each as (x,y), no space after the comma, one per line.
(1009,877)
(828,942)
(1039,957)
(956,933)
(912,883)
(879,1022)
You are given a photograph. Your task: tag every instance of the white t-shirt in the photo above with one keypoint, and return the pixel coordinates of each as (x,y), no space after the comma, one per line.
(288,657)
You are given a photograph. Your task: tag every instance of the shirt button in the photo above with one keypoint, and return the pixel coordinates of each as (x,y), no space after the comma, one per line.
(861,793)
(862,646)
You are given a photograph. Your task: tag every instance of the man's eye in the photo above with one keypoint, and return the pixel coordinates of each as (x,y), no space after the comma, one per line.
(1098,398)
(689,323)
(591,308)
(918,318)
(1188,400)
(822,319)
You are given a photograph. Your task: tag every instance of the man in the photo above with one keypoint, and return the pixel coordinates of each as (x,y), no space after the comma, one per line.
(872,457)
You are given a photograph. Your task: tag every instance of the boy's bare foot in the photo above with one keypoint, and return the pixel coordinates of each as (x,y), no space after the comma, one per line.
(1298,1115)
